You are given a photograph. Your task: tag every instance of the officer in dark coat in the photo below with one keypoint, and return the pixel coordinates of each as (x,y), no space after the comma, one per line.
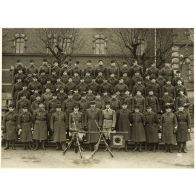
(168,125)
(121,87)
(25,127)
(138,133)
(70,85)
(40,126)
(151,128)
(99,102)
(179,87)
(58,125)
(169,88)
(105,86)
(61,95)
(88,78)
(93,121)
(10,127)
(47,96)
(183,130)
(139,101)
(166,100)
(125,69)
(182,100)
(123,121)
(100,78)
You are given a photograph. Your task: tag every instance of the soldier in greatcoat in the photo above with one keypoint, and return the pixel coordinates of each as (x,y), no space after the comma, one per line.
(108,121)
(152,101)
(139,100)
(138,133)
(151,128)
(93,121)
(123,121)
(9,127)
(58,125)
(168,126)
(183,130)
(40,126)
(25,127)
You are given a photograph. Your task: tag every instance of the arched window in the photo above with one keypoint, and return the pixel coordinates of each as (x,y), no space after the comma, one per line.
(100,44)
(19,43)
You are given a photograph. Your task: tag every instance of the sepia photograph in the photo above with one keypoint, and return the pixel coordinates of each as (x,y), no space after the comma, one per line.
(97,98)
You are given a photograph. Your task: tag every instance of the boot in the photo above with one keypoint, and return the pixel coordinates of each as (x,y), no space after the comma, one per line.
(13,145)
(154,147)
(135,149)
(180,147)
(170,149)
(6,145)
(126,146)
(184,150)
(36,145)
(140,148)
(29,146)
(57,146)
(43,144)
(25,146)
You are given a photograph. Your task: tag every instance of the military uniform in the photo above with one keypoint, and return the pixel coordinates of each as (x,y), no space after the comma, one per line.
(16,88)
(70,86)
(45,68)
(21,104)
(153,72)
(83,105)
(25,123)
(40,118)
(90,97)
(43,79)
(151,128)
(76,80)
(59,125)
(19,76)
(56,69)
(92,119)
(62,97)
(124,69)
(152,101)
(102,69)
(108,121)
(168,124)
(106,87)
(76,97)
(139,100)
(10,126)
(113,70)
(35,105)
(68,106)
(123,118)
(94,87)
(167,73)
(129,101)
(137,68)
(113,81)
(100,104)
(64,78)
(46,97)
(23,92)
(155,88)
(115,104)
(136,78)
(181,100)
(180,88)
(34,95)
(82,87)
(50,86)
(87,79)
(170,89)
(138,133)
(176,79)
(100,79)
(35,85)
(139,87)
(121,87)
(166,100)
(59,85)
(32,70)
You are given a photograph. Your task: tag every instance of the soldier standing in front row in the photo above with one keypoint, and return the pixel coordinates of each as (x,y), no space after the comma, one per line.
(40,118)
(183,131)
(151,128)
(9,127)
(138,132)
(58,125)
(109,121)
(93,121)
(25,127)
(168,125)
(76,123)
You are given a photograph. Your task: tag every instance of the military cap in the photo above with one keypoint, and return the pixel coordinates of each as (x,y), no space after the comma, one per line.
(25,107)
(178,72)
(76,106)
(83,94)
(136,107)
(100,61)
(18,61)
(124,63)
(124,103)
(44,60)
(107,102)
(54,94)
(148,107)
(89,61)
(31,60)
(112,61)
(168,106)
(58,106)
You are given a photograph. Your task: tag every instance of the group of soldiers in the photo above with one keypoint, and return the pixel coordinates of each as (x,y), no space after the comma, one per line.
(53,101)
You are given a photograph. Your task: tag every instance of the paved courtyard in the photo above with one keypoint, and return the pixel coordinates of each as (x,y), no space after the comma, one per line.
(54,159)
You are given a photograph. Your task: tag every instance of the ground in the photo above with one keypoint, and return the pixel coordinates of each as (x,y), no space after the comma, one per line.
(54,159)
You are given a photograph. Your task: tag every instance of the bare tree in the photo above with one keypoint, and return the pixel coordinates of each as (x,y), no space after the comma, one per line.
(62,43)
(135,43)
(164,43)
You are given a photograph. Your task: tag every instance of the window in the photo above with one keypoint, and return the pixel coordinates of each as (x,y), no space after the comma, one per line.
(19,43)
(67,45)
(100,43)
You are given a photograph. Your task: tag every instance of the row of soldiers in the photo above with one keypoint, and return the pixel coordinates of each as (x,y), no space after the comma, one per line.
(139,127)
(69,86)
